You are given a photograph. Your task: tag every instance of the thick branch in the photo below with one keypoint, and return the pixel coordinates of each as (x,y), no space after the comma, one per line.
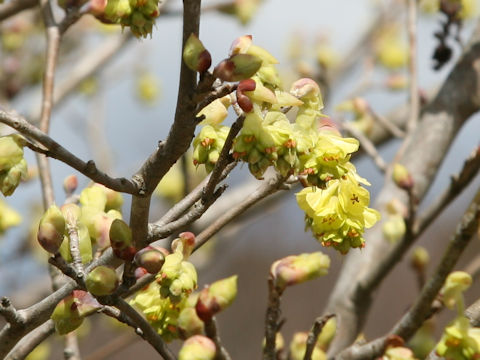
(440,121)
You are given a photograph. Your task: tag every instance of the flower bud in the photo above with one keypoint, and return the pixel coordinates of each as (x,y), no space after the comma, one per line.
(189,323)
(196,57)
(240,45)
(420,258)
(51,229)
(97,7)
(242,99)
(298,346)
(93,197)
(150,258)
(101,281)
(394,228)
(293,270)
(70,184)
(10,179)
(305,88)
(69,313)
(216,297)
(398,353)
(197,347)
(455,284)
(402,177)
(215,112)
(237,67)
(121,240)
(184,244)
(84,245)
(9,217)
(11,151)
(327,334)
(114,199)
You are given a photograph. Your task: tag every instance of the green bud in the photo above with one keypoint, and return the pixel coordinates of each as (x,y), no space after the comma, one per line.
(196,57)
(10,179)
(402,177)
(189,323)
(114,200)
(455,284)
(327,334)
(84,245)
(216,297)
(151,259)
(93,197)
(197,347)
(237,67)
(298,345)
(101,281)
(293,270)
(121,240)
(399,353)
(394,228)
(420,258)
(51,229)
(66,316)
(11,151)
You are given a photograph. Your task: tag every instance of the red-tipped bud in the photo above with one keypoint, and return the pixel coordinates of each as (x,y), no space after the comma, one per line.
(121,240)
(243,100)
(196,57)
(240,45)
(402,177)
(69,313)
(70,184)
(101,281)
(51,229)
(184,244)
(197,347)
(293,270)
(237,67)
(189,323)
(151,259)
(217,297)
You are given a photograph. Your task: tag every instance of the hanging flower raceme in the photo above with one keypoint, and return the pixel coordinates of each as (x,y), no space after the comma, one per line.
(339,214)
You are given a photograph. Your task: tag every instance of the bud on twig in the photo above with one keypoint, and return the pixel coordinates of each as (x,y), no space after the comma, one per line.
(121,240)
(237,67)
(216,297)
(51,229)
(101,281)
(195,55)
(197,347)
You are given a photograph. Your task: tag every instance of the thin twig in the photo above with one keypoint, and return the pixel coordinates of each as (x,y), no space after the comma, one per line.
(56,151)
(75,248)
(212,332)
(458,183)
(412,65)
(71,350)
(313,334)
(268,187)
(367,145)
(272,320)
(148,333)
(223,159)
(26,345)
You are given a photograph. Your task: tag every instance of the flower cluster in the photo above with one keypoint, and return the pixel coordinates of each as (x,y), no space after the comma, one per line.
(139,15)
(339,213)
(335,204)
(13,167)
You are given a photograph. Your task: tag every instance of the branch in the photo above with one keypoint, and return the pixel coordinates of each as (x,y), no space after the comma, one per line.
(439,123)
(313,334)
(56,151)
(458,183)
(268,187)
(212,332)
(14,7)
(148,333)
(223,159)
(272,320)
(26,345)
(414,318)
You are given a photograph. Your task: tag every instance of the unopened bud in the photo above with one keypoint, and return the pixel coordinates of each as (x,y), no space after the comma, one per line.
(420,258)
(402,177)
(293,270)
(327,334)
(51,229)
(11,151)
(121,240)
(195,55)
(101,281)
(189,323)
(237,67)
(150,258)
(305,88)
(65,316)
(240,45)
(70,184)
(242,99)
(216,297)
(10,179)
(184,244)
(97,7)
(455,284)
(197,347)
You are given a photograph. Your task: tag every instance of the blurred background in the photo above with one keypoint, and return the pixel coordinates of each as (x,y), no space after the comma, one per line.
(117,116)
